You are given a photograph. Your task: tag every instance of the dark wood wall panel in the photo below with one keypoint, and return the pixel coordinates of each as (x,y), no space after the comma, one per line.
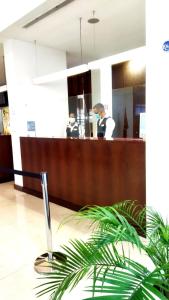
(86,172)
(6,158)
(122,77)
(79,84)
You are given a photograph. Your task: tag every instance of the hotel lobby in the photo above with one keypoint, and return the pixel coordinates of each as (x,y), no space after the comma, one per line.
(59,57)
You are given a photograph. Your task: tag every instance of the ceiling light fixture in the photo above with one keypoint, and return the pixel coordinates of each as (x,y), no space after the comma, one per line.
(93,20)
(81,53)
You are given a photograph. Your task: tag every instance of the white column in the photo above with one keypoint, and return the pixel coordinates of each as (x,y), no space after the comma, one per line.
(157,106)
(96,96)
(47,105)
(2,72)
(106,87)
(95,79)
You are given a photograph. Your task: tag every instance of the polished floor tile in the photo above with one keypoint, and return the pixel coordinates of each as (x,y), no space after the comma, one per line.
(23,238)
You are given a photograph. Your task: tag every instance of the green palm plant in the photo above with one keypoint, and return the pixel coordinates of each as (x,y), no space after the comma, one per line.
(111,273)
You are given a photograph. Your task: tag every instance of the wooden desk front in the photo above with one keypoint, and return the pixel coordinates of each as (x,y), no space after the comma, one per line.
(86,171)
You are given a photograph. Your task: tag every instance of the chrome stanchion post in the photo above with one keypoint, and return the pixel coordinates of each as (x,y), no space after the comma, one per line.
(41,264)
(47,214)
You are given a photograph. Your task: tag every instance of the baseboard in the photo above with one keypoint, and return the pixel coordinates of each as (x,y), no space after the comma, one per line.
(6,179)
(52,199)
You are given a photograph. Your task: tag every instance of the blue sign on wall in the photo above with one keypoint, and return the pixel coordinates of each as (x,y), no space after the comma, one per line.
(30,125)
(166,46)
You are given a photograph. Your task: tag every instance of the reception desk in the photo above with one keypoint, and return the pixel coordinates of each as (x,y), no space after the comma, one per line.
(6,158)
(86,171)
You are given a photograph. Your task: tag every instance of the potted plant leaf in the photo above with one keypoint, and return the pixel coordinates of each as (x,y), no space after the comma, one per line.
(110,272)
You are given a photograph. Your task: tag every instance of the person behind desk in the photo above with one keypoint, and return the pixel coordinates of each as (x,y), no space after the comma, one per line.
(105,124)
(72,129)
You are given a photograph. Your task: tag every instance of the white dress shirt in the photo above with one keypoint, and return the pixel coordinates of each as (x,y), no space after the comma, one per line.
(110,125)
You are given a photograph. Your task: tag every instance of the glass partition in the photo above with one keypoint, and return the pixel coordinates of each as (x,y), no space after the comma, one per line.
(80,106)
(80,102)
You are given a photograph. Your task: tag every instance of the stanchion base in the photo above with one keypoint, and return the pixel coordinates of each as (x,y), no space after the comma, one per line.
(42,262)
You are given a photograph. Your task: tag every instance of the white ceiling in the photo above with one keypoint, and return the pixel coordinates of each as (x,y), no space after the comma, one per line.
(121,27)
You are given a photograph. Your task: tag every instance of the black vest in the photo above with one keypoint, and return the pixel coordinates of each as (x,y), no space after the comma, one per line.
(101,129)
(72,131)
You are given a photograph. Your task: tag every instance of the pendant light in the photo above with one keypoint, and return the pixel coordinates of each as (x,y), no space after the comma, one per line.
(93,20)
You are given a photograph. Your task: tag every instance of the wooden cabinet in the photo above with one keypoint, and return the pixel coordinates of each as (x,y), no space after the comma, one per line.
(6,158)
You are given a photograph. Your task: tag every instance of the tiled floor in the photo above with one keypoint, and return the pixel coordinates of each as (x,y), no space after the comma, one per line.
(22,239)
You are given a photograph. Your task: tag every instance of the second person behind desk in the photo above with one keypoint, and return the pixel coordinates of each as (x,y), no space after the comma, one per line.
(105,124)
(72,129)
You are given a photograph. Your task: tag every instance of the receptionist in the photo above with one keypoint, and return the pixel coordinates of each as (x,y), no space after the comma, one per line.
(105,123)
(72,129)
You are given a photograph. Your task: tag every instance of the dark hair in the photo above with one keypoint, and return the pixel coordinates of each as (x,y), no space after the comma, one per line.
(99,107)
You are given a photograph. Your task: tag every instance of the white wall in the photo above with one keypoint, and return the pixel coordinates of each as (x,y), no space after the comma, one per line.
(157,106)
(96,95)
(47,105)
(95,81)
(2,71)
(102,90)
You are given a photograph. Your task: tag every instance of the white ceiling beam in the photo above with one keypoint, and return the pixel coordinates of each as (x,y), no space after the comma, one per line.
(61,74)
(97,64)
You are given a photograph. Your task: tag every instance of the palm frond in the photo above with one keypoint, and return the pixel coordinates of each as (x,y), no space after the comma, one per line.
(154,223)
(113,226)
(134,213)
(105,216)
(157,229)
(132,282)
(81,258)
(158,238)
(113,275)
(112,236)
(99,215)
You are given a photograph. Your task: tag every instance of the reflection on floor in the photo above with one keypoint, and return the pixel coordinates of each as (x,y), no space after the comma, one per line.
(22,239)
